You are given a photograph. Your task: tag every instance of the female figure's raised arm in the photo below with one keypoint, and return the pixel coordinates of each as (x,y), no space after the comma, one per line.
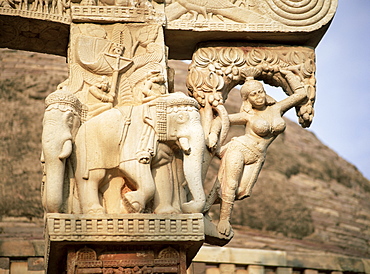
(299,92)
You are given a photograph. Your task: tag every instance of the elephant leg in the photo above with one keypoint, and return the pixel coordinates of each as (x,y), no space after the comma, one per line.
(163,196)
(112,195)
(141,176)
(89,192)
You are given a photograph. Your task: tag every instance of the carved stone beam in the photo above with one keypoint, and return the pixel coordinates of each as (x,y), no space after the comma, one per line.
(215,70)
(298,22)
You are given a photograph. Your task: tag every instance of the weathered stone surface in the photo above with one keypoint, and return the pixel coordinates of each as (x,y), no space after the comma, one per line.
(17,248)
(313,261)
(299,145)
(238,256)
(125,228)
(162,243)
(36,264)
(4,263)
(301,22)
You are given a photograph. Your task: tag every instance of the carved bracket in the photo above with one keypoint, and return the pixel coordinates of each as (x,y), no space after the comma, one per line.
(214,71)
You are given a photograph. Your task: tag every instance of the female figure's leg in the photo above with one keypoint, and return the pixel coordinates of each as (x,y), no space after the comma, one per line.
(233,162)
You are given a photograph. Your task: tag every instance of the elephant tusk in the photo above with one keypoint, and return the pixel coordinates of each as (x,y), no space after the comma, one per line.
(66,150)
(184,144)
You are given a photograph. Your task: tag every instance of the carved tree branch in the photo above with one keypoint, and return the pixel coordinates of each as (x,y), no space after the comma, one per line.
(214,71)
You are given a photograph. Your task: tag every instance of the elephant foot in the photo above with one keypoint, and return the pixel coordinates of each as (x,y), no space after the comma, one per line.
(131,202)
(192,207)
(168,209)
(96,210)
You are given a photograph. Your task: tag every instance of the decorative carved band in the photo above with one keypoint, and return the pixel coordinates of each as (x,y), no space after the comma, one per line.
(252,15)
(60,18)
(126,228)
(116,14)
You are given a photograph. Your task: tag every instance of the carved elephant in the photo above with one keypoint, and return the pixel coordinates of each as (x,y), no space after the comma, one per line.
(135,142)
(60,124)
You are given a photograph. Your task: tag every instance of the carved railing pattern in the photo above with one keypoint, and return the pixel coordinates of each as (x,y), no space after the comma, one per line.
(56,10)
(62,11)
(219,260)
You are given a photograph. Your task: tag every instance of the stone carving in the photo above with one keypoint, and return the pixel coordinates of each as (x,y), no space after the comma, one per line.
(242,158)
(126,228)
(117,140)
(214,71)
(129,142)
(220,9)
(249,14)
(56,10)
(100,99)
(126,55)
(63,115)
(127,261)
(119,11)
(140,149)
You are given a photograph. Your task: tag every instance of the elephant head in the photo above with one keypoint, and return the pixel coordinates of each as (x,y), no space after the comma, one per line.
(62,119)
(179,120)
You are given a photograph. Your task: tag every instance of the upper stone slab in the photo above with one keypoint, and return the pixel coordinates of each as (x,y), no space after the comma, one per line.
(186,22)
(301,22)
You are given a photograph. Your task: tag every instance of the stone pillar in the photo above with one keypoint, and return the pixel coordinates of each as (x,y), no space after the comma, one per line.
(125,156)
(150,243)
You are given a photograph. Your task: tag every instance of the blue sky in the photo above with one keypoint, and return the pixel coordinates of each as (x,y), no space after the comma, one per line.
(342,108)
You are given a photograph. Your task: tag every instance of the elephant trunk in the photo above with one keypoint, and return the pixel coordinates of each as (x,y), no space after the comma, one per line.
(56,149)
(53,188)
(193,171)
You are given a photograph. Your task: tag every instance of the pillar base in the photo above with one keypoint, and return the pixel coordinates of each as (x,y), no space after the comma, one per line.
(129,243)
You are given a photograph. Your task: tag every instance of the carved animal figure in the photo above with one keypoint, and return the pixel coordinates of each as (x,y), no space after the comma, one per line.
(61,121)
(134,142)
(209,7)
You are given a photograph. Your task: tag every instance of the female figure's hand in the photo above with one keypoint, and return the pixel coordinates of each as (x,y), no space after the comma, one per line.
(224,227)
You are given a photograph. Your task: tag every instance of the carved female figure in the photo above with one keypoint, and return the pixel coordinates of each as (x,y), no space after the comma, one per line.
(243,156)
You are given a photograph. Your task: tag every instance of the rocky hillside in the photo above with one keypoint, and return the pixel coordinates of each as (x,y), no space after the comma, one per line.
(306,198)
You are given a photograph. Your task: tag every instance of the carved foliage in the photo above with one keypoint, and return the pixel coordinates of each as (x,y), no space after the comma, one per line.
(214,71)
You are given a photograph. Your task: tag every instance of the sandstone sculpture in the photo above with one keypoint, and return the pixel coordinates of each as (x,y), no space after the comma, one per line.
(127,137)
(63,116)
(243,157)
(118,140)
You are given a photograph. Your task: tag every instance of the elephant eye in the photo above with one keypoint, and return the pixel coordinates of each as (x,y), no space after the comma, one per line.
(182,118)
